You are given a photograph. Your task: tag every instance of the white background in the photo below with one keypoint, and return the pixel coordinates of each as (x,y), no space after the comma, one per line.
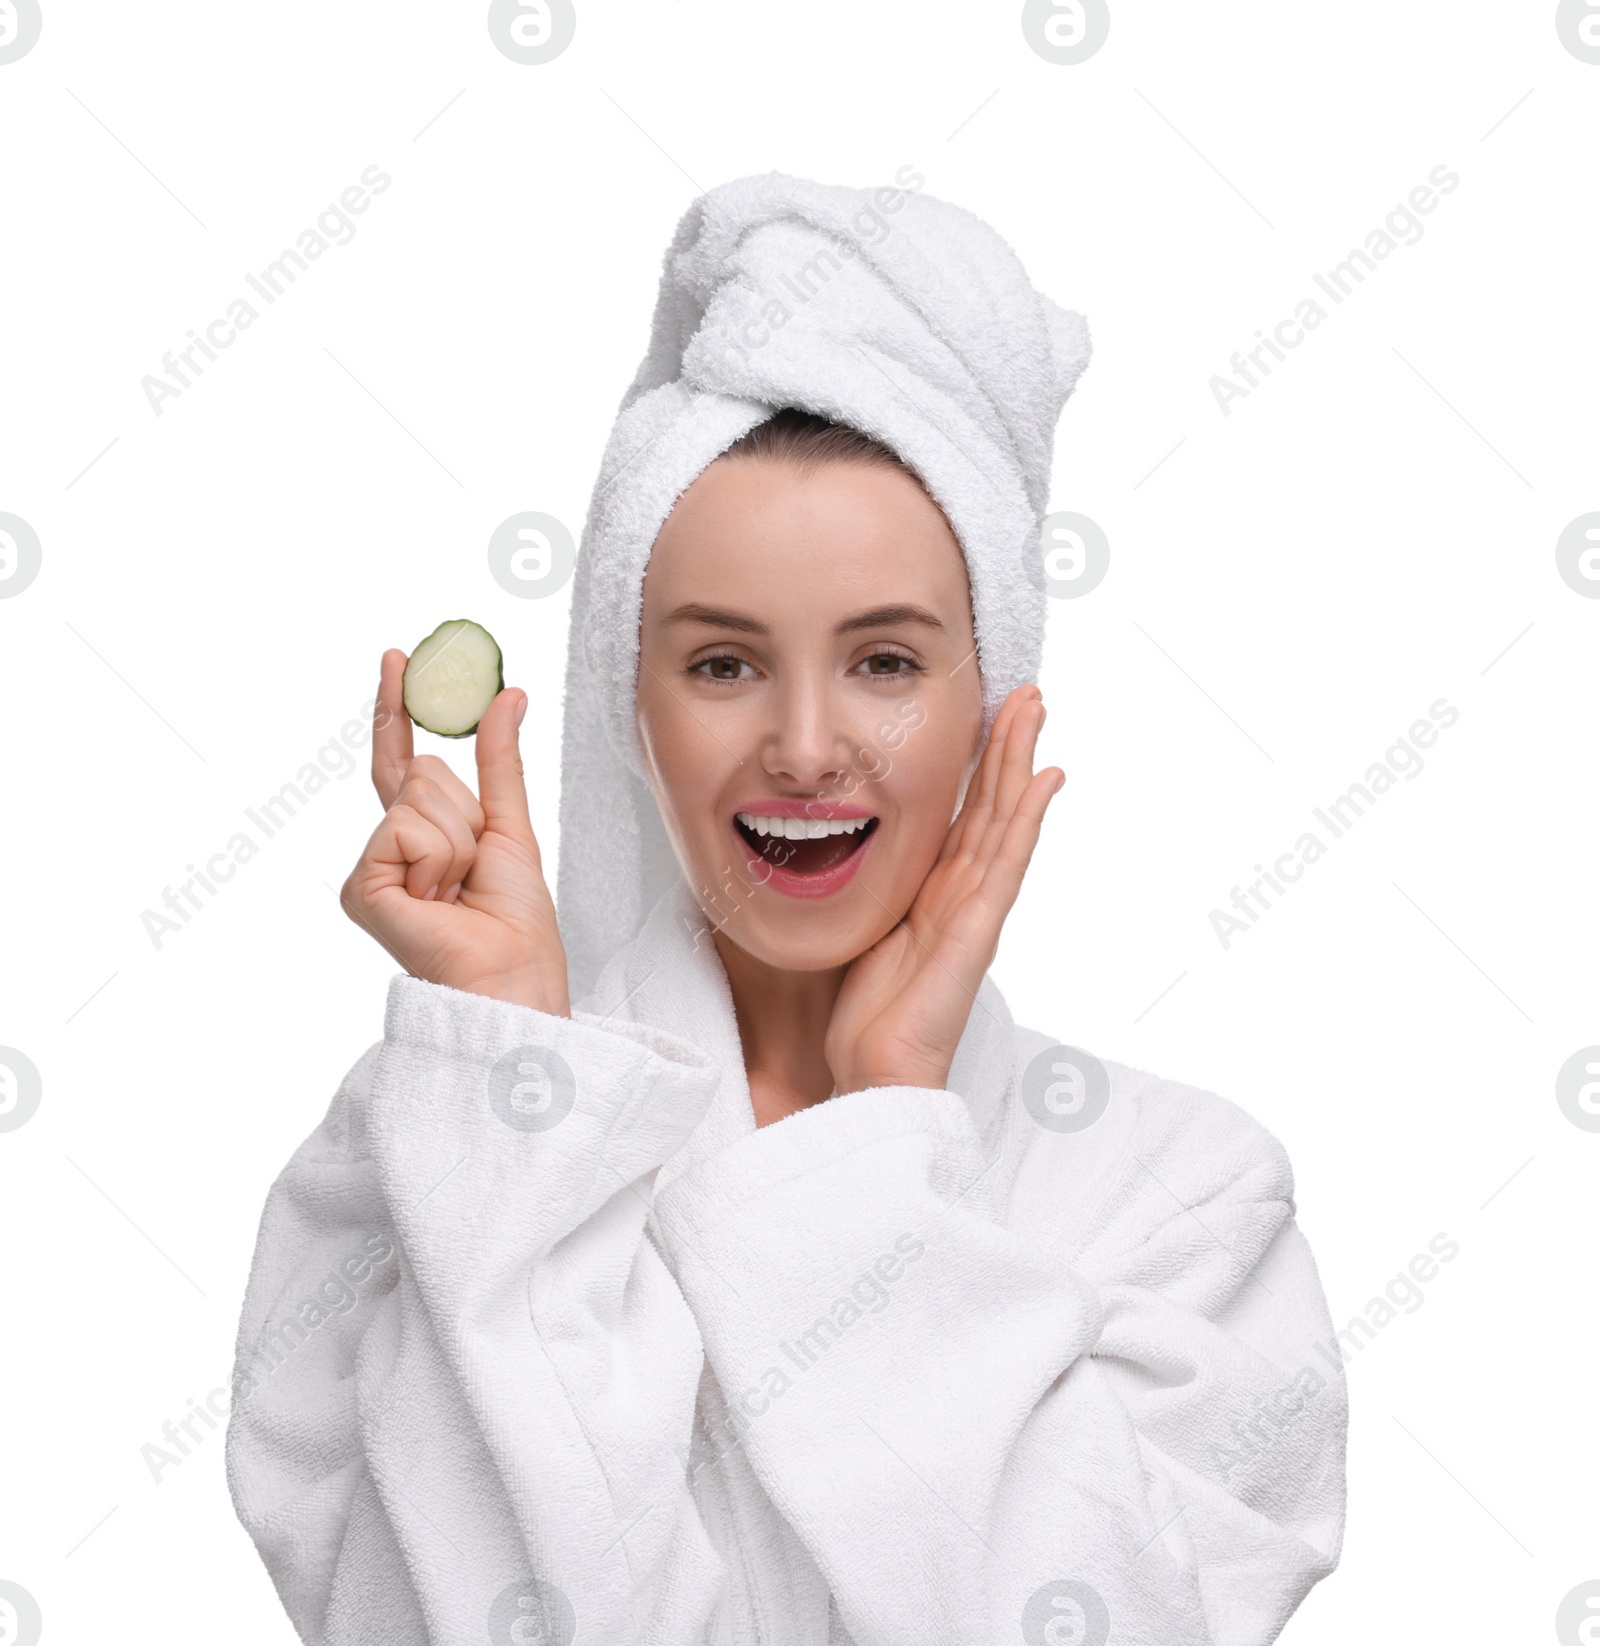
(1291,585)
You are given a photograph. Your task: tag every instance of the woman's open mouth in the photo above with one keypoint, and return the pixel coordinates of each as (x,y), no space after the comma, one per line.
(804,857)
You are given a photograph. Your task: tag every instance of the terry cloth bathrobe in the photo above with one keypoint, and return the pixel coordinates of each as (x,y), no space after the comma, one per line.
(545,1341)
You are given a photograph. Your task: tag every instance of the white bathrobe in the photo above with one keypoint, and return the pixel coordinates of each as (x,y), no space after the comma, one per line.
(596,1361)
(545,1343)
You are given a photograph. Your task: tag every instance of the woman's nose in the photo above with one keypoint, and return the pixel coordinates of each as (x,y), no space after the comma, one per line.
(809,741)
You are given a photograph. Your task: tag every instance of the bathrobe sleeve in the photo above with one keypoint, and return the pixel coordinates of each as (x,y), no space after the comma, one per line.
(462,1371)
(983,1432)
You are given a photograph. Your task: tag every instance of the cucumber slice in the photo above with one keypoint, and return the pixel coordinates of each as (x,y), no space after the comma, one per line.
(452,677)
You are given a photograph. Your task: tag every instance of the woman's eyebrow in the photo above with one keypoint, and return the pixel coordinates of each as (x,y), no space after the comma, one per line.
(879,617)
(716,618)
(886,617)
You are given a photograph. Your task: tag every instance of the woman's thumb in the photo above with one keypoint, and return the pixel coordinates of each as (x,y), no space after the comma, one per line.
(501,789)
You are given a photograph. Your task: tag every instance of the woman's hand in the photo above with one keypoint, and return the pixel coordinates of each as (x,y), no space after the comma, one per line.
(904,1003)
(453,887)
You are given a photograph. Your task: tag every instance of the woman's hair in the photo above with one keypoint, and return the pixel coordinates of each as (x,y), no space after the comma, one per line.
(808,441)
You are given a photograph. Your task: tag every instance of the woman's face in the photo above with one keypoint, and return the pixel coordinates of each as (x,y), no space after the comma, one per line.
(806,654)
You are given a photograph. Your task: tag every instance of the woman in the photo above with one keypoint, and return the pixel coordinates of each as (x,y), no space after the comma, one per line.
(784,1290)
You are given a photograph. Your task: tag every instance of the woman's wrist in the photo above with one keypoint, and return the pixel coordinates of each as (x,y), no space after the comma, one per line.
(933,1078)
(529,987)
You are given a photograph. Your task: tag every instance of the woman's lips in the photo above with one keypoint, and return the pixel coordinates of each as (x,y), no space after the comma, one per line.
(769,863)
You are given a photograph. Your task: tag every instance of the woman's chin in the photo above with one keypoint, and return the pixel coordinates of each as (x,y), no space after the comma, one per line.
(800,937)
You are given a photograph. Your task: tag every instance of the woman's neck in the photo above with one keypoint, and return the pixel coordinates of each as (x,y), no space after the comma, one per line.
(783,1021)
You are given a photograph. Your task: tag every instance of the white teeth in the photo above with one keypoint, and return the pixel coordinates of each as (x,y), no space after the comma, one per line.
(802,828)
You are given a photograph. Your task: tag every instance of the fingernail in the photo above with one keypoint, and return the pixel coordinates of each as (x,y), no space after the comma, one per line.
(427,896)
(522,708)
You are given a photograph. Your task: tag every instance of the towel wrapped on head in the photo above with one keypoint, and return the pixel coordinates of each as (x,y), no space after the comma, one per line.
(900,314)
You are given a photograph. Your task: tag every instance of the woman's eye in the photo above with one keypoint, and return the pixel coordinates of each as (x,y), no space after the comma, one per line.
(903,664)
(722,669)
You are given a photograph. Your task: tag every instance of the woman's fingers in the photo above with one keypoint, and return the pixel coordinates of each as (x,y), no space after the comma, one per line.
(391,729)
(458,793)
(426,782)
(1011,751)
(988,778)
(976,928)
(501,789)
(968,831)
(1014,850)
(1002,828)
(406,849)
(436,820)
(429,798)
(1015,774)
